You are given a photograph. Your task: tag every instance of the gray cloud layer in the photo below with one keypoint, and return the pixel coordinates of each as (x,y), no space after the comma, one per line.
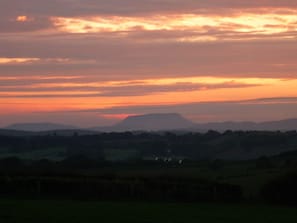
(142,54)
(127,7)
(127,60)
(113,91)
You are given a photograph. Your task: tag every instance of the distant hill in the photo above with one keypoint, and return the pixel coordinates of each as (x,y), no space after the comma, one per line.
(282,125)
(61,132)
(151,122)
(159,122)
(173,121)
(288,124)
(39,127)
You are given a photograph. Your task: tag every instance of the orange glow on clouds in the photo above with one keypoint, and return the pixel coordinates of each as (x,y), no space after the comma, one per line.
(68,82)
(247,22)
(22,18)
(4,60)
(15,101)
(105,61)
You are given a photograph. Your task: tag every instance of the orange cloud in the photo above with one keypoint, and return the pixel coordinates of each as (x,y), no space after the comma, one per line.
(22,18)
(66,87)
(156,92)
(246,22)
(4,60)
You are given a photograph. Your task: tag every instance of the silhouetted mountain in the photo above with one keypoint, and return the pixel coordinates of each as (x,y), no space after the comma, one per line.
(38,127)
(150,122)
(159,122)
(172,121)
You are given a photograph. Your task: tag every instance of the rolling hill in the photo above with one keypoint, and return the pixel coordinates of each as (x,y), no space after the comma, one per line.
(39,127)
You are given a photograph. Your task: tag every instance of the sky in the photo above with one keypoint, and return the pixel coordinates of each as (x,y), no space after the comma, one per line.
(95,62)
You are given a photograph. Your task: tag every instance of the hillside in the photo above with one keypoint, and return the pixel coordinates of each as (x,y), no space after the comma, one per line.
(150,122)
(38,127)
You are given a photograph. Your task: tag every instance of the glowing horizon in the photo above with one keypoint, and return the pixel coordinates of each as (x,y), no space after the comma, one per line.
(95,62)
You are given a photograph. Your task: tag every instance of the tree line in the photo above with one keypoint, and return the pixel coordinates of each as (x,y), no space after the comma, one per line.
(197,146)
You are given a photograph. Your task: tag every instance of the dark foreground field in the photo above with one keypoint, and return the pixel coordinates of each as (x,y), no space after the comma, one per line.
(46,211)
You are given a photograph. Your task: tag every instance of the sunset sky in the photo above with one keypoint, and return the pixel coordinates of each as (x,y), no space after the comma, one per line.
(94,62)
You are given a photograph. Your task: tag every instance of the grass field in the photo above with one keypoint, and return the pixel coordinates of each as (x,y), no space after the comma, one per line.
(244,174)
(49,211)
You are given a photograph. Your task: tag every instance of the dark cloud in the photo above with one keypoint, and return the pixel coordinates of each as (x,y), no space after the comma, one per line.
(127,59)
(10,25)
(71,8)
(273,100)
(137,90)
(112,91)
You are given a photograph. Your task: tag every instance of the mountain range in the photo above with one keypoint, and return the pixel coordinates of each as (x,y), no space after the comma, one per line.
(162,122)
